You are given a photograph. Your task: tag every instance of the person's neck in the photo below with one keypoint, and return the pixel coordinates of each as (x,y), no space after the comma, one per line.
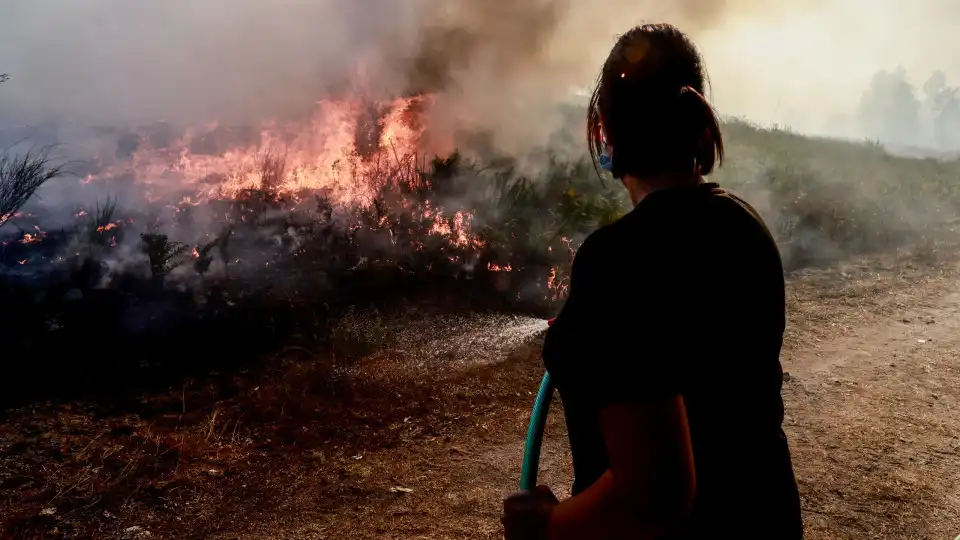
(640,188)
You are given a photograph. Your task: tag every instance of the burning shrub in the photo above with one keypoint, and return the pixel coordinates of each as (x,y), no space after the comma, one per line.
(20,177)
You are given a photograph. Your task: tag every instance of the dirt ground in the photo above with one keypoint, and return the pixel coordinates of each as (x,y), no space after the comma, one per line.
(424,451)
(872,399)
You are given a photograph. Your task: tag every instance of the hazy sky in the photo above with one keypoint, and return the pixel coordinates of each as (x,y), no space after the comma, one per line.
(107,61)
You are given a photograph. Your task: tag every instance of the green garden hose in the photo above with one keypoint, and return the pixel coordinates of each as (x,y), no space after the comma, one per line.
(538,421)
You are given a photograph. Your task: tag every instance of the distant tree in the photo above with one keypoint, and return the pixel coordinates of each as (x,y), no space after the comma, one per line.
(4,77)
(934,85)
(946,122)
(942,110)
(890,110)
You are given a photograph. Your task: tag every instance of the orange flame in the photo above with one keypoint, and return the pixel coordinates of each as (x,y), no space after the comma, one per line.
(321,154)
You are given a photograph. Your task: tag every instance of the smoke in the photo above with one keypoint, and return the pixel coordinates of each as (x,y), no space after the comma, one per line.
(116,62)
(502,65)
(775,62)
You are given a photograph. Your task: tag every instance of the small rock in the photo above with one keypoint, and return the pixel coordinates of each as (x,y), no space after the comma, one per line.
(398,489)
(786,376)
(48,511)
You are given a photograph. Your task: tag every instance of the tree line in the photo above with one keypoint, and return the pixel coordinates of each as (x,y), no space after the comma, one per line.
(893,111)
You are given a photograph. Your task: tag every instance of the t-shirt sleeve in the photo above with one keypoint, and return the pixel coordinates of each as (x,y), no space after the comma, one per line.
(619,334)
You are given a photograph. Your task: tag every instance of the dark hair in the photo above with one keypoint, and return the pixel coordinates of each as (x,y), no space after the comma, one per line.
(650,101)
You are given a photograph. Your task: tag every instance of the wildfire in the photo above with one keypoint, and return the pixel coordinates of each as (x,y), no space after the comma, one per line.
(347,151)
(557,284)
(458,233)
(344,150)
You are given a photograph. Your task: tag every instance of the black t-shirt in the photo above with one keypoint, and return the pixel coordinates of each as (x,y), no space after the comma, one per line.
(685,295)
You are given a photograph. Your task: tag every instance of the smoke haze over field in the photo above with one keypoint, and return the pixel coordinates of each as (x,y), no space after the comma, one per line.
(501,64)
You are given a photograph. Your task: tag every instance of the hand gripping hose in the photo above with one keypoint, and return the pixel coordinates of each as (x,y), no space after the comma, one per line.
(538,421)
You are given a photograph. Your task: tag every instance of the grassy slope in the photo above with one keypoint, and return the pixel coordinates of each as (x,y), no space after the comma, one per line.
(827,200)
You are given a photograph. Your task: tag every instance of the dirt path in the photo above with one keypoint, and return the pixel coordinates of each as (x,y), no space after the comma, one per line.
(424,438)
(873,402)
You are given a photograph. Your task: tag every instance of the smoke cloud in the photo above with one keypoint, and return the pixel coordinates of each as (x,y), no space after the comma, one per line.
(501,65)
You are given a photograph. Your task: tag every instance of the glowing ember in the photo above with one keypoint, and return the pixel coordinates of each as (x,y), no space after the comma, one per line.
(557,284)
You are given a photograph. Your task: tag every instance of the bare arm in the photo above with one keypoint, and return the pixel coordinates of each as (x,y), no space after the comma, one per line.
(650,485)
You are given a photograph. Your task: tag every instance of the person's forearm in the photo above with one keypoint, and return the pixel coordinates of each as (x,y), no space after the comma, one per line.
(599,512)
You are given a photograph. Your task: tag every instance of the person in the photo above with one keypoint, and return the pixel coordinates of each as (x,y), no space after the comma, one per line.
(666,352)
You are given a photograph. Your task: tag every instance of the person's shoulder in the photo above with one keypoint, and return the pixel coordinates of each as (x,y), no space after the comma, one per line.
(600,250)
(596,244)
(742,214)
(740,204)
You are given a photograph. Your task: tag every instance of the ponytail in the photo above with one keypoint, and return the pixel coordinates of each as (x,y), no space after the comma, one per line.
(703,127)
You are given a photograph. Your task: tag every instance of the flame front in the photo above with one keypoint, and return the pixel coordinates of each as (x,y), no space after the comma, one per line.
(320,154)
(350,153)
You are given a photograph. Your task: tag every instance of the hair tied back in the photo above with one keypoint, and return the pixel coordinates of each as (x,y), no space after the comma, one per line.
(703,124)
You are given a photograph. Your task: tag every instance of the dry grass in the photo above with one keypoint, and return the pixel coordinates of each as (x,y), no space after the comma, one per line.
(304,438)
